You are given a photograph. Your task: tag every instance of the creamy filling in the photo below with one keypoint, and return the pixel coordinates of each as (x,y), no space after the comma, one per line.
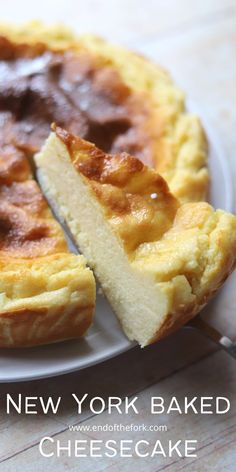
(141,304)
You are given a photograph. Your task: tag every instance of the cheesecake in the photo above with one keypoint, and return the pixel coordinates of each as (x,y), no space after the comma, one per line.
(46,294)
(106,94)
(158,261)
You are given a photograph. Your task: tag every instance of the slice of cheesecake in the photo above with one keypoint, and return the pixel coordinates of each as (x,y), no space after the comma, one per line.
(158,262)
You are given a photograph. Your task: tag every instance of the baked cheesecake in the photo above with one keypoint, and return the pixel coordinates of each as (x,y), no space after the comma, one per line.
(46,293)
(103,93)
(158,261)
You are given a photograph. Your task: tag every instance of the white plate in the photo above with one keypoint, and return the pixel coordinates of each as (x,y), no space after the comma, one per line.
(105,339)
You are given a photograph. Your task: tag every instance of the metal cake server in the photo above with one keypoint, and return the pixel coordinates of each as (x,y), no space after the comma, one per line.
(212,333)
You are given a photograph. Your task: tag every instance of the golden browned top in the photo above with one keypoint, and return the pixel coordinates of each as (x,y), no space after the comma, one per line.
(163,239)
(135,199)
(74,88)
(14,167)
(27,228)
(107,95)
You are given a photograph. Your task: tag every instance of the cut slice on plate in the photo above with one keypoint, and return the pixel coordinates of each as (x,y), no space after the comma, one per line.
(158,262)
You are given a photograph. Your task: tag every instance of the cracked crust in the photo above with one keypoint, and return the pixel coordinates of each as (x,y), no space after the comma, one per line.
(160,132)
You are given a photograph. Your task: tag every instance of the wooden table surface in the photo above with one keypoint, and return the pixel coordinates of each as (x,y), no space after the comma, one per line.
(196,41)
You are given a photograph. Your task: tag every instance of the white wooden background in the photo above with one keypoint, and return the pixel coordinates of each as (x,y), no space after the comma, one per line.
(196,41)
